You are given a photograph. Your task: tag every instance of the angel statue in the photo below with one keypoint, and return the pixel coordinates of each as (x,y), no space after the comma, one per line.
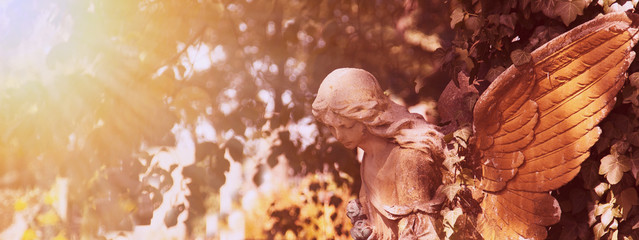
(399,175)
(532,129)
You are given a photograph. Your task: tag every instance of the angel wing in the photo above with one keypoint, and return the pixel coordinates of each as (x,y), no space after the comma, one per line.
(535,124)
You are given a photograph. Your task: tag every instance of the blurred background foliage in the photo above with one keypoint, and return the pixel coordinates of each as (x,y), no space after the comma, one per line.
(143,110)
(172,119)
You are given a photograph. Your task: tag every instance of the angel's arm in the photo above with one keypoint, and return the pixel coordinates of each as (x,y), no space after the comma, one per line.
(417,178)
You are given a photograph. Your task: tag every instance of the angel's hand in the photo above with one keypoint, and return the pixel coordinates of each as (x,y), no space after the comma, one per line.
(354,211)
(362,231)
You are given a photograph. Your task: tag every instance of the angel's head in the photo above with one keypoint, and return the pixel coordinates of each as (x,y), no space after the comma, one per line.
(349,93)
(350,100)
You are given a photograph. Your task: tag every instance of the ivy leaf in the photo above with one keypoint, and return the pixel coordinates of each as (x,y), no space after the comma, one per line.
(451,190)
(456,17)
(633,138)
(520,57)
(508,20)
(451,160)
(613,167)
(631,96)
(614,225)
(462,135)
(450,216)
(473,23)
(569,9)
(546,6)
(589,173)
(634,79)
(592,218)
(601,189)
(616,212)
(606,217)
(634,164)
(619,147)
(627,199)
(601,208)
(599,230)
(456,103)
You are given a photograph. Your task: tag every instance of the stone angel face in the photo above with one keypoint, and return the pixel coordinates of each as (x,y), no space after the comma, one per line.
(532,129)
(348,132)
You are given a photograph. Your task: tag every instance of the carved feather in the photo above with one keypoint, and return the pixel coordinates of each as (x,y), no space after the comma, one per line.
(535,124)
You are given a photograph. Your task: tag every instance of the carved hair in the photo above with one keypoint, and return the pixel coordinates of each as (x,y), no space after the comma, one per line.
(355,94)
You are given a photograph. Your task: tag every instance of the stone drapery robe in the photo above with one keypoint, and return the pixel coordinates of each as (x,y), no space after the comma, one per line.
(398,194)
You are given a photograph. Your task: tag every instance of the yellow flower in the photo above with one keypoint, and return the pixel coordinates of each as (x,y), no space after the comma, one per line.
(29,234)
(127,205)
(20,205)
(49,199)
(48,218)
(60,236)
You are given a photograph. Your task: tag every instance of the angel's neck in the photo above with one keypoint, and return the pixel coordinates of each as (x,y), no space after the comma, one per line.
(376,148)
